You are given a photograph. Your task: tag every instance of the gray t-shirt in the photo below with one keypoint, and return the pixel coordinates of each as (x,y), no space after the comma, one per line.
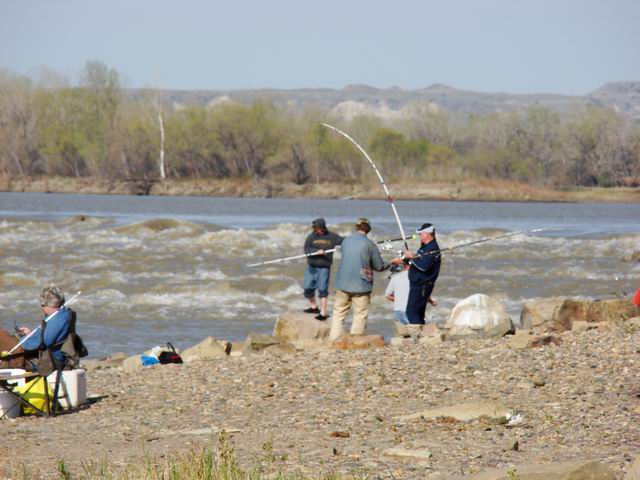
(399,288)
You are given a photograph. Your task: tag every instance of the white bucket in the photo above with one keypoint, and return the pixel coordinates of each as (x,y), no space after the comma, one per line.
(13,371)
(9,405)
(72,391)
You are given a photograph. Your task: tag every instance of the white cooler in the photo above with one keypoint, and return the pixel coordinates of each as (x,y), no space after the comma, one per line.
(72,391)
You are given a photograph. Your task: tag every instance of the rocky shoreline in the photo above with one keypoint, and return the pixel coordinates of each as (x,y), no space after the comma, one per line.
(441,406)
(469,190)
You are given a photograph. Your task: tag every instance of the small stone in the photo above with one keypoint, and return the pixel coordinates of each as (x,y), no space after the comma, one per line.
(538,381)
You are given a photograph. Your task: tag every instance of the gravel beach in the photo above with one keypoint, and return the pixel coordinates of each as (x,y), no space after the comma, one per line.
(341,411)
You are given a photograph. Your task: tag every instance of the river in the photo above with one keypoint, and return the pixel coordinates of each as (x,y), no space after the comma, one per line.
(158,269)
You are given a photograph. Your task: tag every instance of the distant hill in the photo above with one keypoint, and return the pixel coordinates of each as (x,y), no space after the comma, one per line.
(352,100)
(624,97)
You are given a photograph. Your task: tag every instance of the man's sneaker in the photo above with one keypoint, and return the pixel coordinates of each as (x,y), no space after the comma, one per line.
(311,310)
(321,317)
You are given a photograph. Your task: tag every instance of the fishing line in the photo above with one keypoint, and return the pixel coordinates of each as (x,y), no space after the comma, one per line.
(482,240)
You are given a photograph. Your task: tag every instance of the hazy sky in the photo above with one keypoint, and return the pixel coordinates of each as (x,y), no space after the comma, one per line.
(518,46)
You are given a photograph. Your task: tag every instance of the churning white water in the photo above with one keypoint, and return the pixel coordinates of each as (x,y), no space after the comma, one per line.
(157,269)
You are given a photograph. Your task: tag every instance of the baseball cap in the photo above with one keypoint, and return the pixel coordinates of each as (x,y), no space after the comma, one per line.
(426,228)
(363,221)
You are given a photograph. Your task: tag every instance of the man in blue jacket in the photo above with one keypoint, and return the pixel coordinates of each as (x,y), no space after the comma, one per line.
(354,280)
(423,273)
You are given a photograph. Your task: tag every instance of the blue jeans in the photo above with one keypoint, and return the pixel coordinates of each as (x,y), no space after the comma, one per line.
(400,317)
(316,278)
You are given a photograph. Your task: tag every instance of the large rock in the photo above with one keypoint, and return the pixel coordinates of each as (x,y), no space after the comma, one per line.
(358,342)
(112,361)
(132,364)
(310,345)
(281,350)
(463,412)
(205,350)
(582,470)
(538,314)
(257,342)
(292,326)
(478,316)
(611,311)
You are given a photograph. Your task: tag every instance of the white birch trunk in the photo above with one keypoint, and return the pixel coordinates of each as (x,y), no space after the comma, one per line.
(161,159)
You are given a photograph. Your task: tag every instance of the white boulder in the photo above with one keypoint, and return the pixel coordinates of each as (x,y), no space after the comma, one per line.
(479,316)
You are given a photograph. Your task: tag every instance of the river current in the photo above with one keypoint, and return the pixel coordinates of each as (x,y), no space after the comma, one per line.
(158,269)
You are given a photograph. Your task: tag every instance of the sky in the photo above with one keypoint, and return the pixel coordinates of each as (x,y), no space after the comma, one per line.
(517,46)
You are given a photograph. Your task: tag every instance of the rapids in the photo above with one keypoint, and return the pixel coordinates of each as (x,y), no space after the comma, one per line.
(158,269)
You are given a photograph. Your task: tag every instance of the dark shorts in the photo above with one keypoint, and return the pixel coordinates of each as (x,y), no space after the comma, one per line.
(316,278)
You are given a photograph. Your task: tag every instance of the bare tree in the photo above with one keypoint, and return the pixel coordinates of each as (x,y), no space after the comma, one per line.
(18,125)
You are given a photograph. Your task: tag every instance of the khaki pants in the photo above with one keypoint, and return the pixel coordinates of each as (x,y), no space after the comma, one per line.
(342,302)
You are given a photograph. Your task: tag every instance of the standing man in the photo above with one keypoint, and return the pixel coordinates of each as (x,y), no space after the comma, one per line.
(354,280)
(316,276)
(424,267)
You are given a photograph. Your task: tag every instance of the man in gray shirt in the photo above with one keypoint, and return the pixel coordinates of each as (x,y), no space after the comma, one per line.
(354,280)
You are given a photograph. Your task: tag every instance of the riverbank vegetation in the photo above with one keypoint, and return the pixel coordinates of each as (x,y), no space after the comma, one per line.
(198,462)
(98,131)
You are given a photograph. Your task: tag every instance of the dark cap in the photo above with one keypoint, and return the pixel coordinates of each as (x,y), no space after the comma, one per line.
(319,223)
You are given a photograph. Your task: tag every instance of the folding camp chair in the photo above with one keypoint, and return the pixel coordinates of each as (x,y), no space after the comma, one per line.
(27,398)
(43,363)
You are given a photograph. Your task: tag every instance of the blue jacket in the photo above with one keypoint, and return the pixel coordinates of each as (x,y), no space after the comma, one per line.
(55,332)
(359,257)
(426,268)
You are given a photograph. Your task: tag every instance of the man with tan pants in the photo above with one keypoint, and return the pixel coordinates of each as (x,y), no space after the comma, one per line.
(354,280)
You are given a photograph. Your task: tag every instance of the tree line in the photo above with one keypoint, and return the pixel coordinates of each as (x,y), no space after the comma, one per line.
(93,129)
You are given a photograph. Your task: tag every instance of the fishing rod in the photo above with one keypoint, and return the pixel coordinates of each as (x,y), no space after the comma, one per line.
(322,252)
(482,240)
(24,339)
(382,182)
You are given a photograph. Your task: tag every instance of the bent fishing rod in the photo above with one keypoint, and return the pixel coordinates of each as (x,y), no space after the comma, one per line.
(322,252)
(382,182)
(482,240)
(24,339)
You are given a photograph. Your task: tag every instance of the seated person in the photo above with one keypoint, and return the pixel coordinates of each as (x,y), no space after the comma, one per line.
(56,331)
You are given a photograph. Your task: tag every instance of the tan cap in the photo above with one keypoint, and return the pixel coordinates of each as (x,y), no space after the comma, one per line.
(363,221)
